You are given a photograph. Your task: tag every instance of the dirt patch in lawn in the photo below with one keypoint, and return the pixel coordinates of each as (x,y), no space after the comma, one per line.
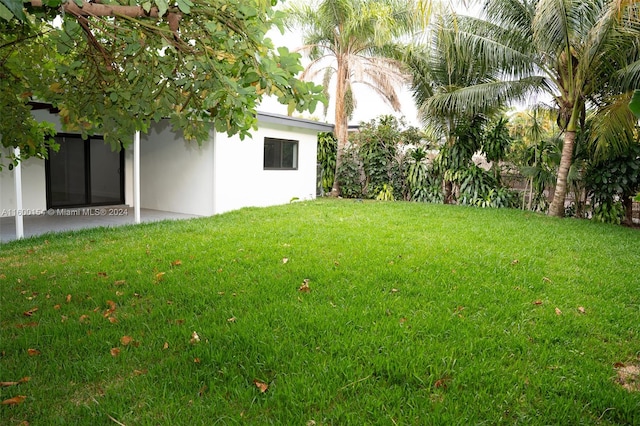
(628,376)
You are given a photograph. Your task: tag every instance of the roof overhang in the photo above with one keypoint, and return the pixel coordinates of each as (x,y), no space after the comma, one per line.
(284,120)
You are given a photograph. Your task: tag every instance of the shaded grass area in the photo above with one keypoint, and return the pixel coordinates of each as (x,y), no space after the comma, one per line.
(416,314)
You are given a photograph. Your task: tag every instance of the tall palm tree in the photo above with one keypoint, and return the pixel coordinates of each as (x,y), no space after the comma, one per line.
(585,53)
(355,42)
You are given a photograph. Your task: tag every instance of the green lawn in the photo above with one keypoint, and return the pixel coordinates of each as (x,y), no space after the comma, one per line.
(417,314)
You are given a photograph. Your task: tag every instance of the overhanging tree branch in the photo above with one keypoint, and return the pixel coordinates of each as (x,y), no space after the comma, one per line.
(99,9)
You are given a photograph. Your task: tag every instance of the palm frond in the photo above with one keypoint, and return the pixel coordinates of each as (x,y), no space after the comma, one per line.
(479,98)
(551,26)
(615,127)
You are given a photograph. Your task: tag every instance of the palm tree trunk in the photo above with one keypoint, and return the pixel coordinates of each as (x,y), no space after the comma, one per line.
(341,121)
(557,205)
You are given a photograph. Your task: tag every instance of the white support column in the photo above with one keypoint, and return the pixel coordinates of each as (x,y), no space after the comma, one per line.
(17,179)
(136,176)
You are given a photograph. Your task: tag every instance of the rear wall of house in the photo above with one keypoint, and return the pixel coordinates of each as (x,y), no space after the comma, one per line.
(241,179)
(175,175)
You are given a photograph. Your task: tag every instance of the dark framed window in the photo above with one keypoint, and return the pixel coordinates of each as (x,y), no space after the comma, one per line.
(84,173)
(280,154)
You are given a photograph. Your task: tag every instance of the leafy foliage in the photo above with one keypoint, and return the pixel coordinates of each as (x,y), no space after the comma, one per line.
(115,68)
(470,184)
(327,151)
(612,184)
(350,174)
(422,183)
(377,156)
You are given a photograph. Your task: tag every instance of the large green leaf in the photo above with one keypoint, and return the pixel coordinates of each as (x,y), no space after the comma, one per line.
(15,7)
(634,105)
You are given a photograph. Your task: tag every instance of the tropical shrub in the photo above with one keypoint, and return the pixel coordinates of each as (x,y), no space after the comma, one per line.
(374,163)
(612,183)
(350,174)
(327,152)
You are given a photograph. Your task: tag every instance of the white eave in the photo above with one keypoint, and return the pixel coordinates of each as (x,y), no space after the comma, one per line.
(268,117)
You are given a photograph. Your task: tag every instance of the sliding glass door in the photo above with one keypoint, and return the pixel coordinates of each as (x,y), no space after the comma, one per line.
(84,173)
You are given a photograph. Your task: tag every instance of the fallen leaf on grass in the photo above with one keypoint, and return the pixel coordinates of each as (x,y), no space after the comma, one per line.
(176,263)
(125,340)
(33,352)
(203,390)
(441,383)
(558,311)
(102,274)
(119,282)
(30,312)
(7,384)
(196,360)
(56,307)
(15,400)
(115,351)
(538,302)
(232,319)
(165,346)
(194,338)
(113,320)
(581,310)
(140,372)
(261,385)
(394,290)
(515,261)
(159,276)
(546,280)
(111,310)
(305,286)
(285,259)
(68,298)
(84,318)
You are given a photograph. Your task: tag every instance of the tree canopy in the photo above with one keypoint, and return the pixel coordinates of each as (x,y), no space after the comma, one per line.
(113,67)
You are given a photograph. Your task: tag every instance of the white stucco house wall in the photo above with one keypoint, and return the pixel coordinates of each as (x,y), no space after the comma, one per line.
(274,166)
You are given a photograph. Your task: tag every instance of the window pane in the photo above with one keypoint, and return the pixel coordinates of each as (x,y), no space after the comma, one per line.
(271,153)
(67,173)
(289,154)
(105,173)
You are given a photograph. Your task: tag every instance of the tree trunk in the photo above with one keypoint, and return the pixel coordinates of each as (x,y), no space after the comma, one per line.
(557,205)
(447,190)
(627,202)
(341,120)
